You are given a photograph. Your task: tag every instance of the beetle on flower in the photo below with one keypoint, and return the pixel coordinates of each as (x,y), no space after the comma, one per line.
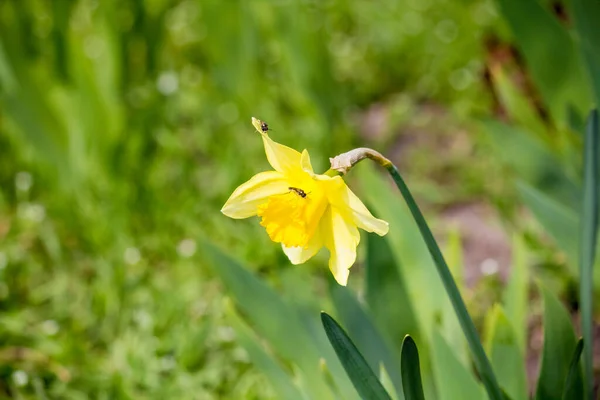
(302,210)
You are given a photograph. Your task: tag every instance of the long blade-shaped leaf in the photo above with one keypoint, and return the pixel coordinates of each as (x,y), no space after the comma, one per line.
(589,228)
(516,296)
(384,285)
(505,353)
(448,322)
(559,221)
(361,375)
(278,322)
(558,75)
(559,341)
(586,13)
(364,333)
(411,372)
(460,382)
(534,162)
(514,99)
(415,266)
(481,361)
(573,382)
(280,380)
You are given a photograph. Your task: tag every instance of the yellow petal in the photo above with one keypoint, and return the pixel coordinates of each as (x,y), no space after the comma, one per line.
(360,214)
(341,238)
(282,158)
(305,163)
(244,201)
(299,255)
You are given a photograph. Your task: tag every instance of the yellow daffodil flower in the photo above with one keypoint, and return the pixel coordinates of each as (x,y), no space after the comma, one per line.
(302,210)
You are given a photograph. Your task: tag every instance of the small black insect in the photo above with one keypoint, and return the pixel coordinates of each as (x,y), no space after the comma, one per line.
(263,126)
(298,191)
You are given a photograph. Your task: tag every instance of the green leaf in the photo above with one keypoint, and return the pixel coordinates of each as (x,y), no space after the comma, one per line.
(262,306)
(506,396)
(559,221)
(575,121)
(411,373)
(416,268)
(387,383)
(516,296)
(453,380)
(586,14)
(589,229)
(384,285)
(24,102)
(534,162)
(559,341)
(574,384)
(404,248)
(559,75)
(364,334)
(278,377)
(506,354)
(361,375)
(448,322)
(480,359)
(281,324)
(518,105)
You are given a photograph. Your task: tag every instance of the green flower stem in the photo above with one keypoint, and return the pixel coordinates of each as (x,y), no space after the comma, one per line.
(482,363)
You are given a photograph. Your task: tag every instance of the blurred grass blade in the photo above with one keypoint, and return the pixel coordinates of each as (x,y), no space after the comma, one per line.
(575,121)
(364,334)
(506,354)
(448,322)
(534,162)
(279,379)
(558,75)
(387,383)
(586,14)
(558,220)
(518,105)
(384,286)
(415,266)
(260,304)
(573,383)
(411,373)
(452,378)
(516,296)
(505,395)
(589,228)
(480,359)
(559,341)
(363,378)
(279,323)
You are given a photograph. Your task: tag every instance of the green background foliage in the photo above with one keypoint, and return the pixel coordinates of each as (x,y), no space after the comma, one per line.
(125,125)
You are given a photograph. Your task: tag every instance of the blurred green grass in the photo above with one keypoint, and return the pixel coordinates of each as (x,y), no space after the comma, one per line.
(124,126)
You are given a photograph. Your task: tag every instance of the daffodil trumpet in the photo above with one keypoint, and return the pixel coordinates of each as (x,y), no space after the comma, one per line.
(302,210)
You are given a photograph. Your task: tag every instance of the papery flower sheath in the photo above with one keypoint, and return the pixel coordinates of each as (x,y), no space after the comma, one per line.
(302,210)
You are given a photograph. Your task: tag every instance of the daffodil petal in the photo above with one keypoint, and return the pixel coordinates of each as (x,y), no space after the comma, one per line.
(305,163)
(361,215)
(341,238)
(300,255)
(282,158)
(244,201)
